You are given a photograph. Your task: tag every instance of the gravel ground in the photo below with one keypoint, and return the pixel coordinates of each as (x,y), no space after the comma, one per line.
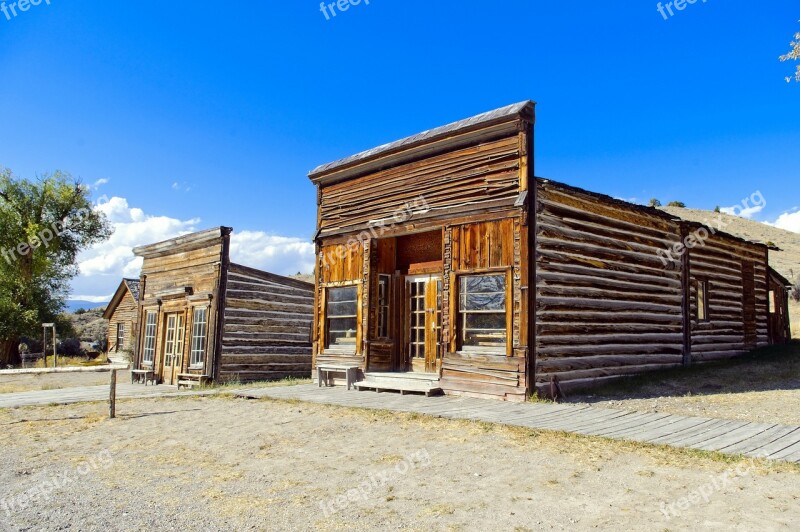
(231,464)
(763,388)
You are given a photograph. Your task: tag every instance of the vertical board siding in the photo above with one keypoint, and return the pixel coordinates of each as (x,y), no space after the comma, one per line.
(267,327)
(606,305)
(484,173)
(475,248)
(732,327)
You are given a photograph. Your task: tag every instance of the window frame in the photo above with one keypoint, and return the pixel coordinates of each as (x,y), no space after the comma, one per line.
(461,315)
(120,336)
(772,302)
(384,307)
(327,324)
(199,342)
(702,287)
(149,338)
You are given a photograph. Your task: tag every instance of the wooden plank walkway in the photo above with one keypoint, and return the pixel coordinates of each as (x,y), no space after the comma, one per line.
(773,441)
(82,394)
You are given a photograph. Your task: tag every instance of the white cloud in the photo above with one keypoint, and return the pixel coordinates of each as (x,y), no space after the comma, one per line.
(747,212)
(99,183)
(103,266)
(183,187)
(272,253)
(789,221)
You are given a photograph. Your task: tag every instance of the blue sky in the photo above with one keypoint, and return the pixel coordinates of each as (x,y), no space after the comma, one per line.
(189,115)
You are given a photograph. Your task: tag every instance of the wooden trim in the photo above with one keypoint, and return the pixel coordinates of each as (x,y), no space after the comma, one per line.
(686,304)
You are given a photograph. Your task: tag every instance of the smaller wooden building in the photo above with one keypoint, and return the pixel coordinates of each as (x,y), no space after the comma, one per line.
(204,318)
(121,314)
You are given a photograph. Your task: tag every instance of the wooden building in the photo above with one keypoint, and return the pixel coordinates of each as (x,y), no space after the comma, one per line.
(205,319)
(779,326)
(443,263)
(121,314)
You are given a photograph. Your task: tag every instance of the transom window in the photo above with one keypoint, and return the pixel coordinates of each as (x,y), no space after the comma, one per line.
(340,318)
(199,329)
(149,352)
(771,300)
(482,309)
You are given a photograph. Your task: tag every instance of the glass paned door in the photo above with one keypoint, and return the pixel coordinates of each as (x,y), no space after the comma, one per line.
(423,323)
(173,348)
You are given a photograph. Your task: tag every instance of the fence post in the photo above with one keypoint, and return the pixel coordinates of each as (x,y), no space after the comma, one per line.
(112,404)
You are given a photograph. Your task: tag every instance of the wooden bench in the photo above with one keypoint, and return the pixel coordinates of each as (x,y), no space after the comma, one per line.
(137,375)
(351,373)
(191,380)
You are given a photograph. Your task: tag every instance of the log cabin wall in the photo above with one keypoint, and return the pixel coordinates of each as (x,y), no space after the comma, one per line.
(605,304)
(267,327)
(733,275)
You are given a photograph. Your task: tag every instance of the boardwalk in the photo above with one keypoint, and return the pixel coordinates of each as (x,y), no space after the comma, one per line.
(82,394)
(777,442)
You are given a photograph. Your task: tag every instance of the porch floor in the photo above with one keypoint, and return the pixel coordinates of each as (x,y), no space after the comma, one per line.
(406,382)
(772,441)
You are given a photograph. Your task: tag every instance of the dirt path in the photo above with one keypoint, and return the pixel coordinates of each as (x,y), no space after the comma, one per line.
(55,381)
(231,464)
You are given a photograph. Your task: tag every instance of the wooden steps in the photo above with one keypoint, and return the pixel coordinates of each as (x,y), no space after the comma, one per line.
(404,383)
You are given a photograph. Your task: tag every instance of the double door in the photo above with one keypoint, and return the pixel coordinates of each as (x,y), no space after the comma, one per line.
(423,324)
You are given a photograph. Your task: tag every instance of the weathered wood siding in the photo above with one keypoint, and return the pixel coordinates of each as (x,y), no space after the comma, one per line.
(341,264)
(779,325)
(736,273)
(169,272)
(486,247)
(606,305)
(267,326)
(485,174)
(125,313)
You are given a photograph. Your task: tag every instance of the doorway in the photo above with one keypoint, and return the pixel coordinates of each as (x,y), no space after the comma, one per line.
(423,346)
(173,348)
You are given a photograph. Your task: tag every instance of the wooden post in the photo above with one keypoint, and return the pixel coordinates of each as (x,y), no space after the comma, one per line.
(55,353)
(112,403)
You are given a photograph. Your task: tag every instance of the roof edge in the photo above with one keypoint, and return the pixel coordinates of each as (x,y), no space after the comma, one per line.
(520,110)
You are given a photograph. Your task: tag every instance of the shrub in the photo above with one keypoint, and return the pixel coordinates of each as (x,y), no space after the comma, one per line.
(680,204)
(71,347)
(654,203)
(796,292)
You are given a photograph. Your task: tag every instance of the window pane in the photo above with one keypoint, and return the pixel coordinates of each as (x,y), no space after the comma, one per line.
(496,301)
(198,337)
(345,308)
(483,284)
(349,293)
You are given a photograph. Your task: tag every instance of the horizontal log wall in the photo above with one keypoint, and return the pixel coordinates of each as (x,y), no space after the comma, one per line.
(267,328)
(720,262)
(606,306)
(483,174)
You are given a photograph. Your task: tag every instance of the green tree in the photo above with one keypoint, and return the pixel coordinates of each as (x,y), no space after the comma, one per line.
(654,203)
(793,55)
(676,204)
(44,225)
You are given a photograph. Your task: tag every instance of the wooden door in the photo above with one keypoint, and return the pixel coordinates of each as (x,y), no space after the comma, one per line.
(173,348)
(423,324)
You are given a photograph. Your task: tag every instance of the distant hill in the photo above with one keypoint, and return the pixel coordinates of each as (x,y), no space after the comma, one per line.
(73,305)
(90,325)
(786,261)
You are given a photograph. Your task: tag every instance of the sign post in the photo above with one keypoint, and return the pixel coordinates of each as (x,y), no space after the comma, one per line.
(52,326)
